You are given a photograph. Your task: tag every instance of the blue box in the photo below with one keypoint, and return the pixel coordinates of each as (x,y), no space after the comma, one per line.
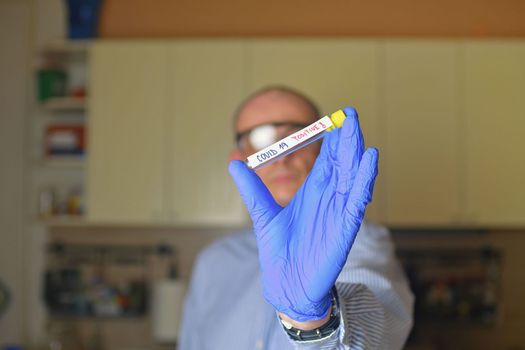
(83,18)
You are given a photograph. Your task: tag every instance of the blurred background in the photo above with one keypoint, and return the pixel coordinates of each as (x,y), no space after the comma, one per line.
(115,127)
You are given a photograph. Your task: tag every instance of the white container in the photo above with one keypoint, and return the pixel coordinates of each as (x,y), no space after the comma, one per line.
(167,302)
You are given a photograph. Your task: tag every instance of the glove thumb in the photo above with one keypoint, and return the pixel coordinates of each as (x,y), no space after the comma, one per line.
(256,197)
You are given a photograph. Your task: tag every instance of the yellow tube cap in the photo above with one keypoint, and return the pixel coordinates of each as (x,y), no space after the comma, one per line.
(338,117)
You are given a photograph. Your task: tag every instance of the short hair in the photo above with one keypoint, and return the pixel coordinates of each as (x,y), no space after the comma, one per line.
(277,88)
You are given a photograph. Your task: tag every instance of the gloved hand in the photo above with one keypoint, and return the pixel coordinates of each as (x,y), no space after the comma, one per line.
(304,246)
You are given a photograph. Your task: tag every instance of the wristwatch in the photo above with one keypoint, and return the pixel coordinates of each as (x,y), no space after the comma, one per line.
(324,331)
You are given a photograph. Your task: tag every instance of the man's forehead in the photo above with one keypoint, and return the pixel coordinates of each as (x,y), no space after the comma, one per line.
(274,107)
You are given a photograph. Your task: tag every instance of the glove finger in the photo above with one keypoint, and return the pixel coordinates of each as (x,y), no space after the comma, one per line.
(256,197)
(362,189)
(349,151)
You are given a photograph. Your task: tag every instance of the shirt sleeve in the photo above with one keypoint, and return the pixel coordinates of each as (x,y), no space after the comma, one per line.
(375,301)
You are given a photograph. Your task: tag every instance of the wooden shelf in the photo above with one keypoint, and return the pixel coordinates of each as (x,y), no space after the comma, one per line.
(67,46)
(64,104)
(69,162)
(64,221)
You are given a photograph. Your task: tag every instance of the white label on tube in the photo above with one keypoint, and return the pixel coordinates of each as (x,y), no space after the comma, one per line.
(276,149)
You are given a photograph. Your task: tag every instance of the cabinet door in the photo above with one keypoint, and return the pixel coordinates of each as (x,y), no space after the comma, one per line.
(127,132)
(206,85)
(334,73)
(423,130)
(495,112)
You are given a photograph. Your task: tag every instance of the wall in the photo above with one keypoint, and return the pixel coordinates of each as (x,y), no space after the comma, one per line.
(167,18)
(25,27)
(14,18)
(47,24)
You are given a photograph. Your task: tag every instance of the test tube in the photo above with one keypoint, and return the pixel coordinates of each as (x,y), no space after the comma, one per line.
(296,141)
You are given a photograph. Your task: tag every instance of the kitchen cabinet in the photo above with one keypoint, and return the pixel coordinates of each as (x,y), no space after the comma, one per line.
(422,140)
(454,133)
(161,131)
(127,133)
(335,73)
(206,85)
(445,114)
(494,73)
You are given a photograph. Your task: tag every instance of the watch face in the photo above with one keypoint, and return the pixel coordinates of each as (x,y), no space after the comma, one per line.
(286,324)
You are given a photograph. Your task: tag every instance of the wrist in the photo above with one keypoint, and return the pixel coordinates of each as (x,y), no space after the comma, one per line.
(301,309)
(315,329)
(305,325)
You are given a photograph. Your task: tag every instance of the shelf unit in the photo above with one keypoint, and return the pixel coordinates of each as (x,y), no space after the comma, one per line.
(57,175)
(44,172)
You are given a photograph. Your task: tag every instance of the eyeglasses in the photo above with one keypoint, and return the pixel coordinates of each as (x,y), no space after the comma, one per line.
(264,135)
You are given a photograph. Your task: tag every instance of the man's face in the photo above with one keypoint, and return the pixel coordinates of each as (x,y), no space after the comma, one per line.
(283,177)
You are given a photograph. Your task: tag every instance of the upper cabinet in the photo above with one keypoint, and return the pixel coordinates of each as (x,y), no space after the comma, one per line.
(454,118)
(494,98)
(126,172)
(446,115)
(207,84)
(422,123)
(161,131)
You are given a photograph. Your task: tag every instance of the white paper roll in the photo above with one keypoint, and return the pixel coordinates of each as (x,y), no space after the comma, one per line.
(167,300)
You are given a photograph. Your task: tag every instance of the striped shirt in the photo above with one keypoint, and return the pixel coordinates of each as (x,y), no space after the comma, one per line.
(225,309)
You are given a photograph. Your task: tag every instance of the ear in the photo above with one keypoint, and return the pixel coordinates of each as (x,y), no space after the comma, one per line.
(235,154)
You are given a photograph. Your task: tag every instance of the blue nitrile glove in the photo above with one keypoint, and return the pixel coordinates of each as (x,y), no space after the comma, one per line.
(304,246)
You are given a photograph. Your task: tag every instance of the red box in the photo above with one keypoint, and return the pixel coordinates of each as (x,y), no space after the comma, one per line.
(64,139)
